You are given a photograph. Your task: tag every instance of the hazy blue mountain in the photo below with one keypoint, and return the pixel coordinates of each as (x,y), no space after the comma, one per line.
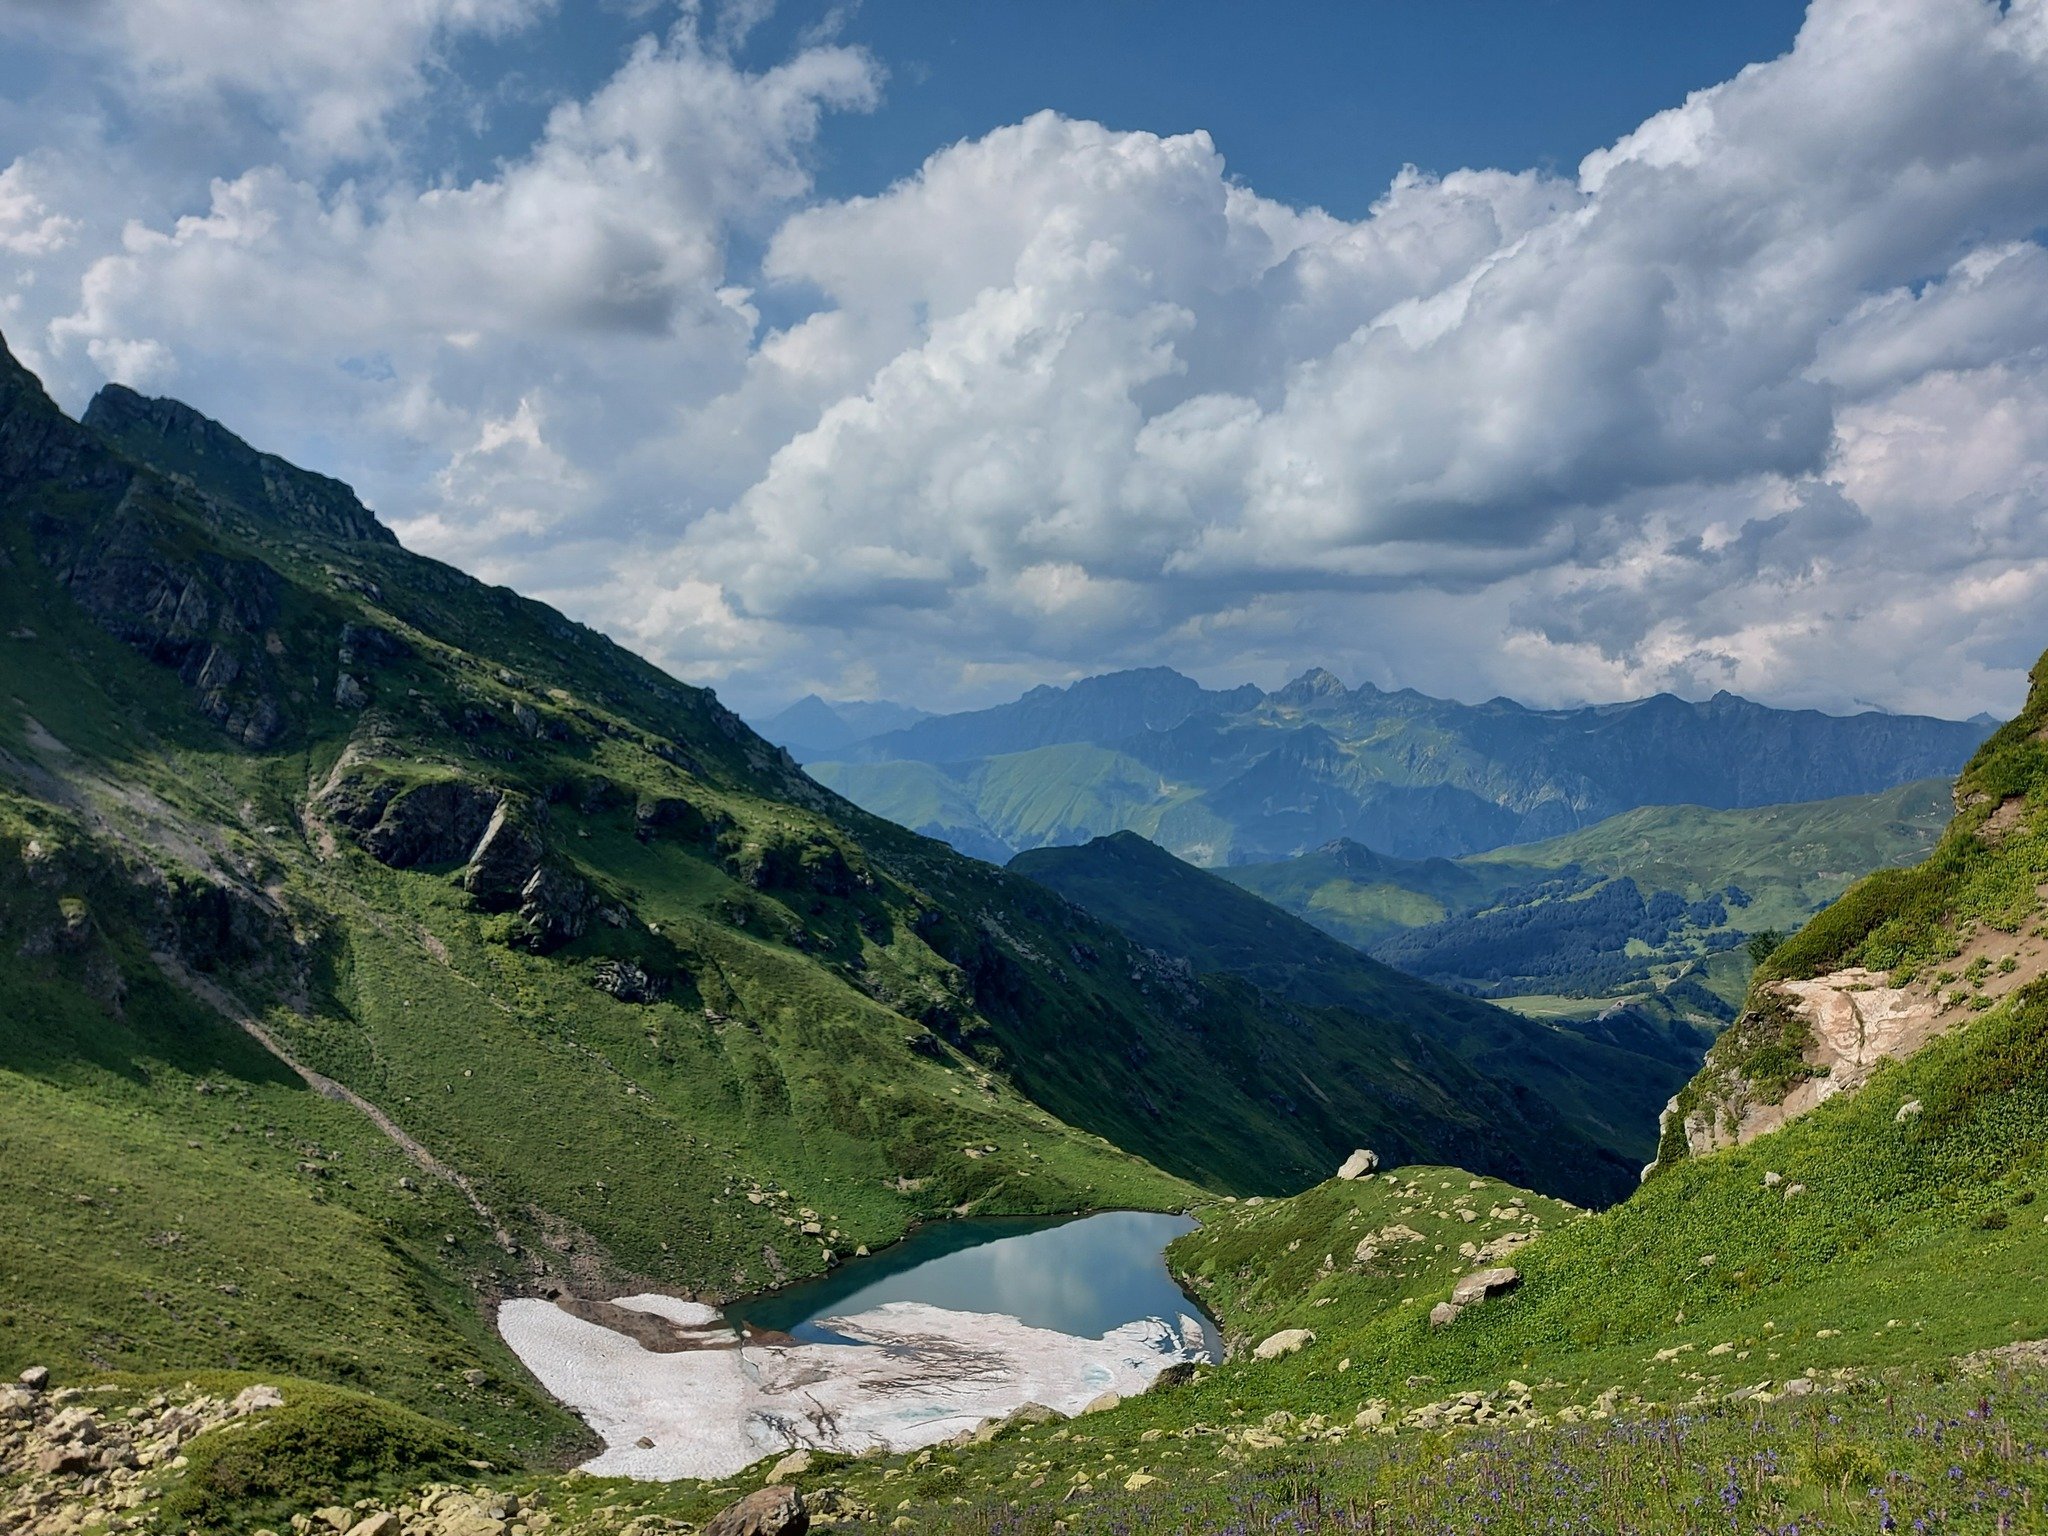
(812,727)
(1238,776)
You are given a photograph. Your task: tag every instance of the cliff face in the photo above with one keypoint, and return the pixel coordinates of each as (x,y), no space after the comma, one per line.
(1903,958)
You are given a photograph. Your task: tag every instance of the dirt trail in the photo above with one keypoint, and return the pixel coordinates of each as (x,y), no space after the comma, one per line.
(227,1007)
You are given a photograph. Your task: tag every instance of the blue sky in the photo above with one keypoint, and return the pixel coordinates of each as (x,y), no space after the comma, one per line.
(1564,350)
(1314,104)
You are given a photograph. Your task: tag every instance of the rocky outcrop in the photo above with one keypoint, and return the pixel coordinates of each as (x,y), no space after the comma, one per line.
(203,615)
(179,440)
(555,907)
(439,822)
(671,816)
(510,870)
(1845,1024)
(627,982)
(1470,1291)
(74,1463)
(773,1511)
(507,854)
(1484,1284)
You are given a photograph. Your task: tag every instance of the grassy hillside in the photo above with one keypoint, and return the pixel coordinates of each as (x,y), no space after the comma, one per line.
(1616,1086)
(324,848)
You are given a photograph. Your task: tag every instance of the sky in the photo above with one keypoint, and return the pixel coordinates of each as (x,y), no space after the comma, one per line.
(1569,351)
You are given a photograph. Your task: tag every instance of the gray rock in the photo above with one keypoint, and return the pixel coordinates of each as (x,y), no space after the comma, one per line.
(554,908)
(35,1378)
(439,822)
(507,855)
(1444,1313)
(1359,1164)
(1287,1341)
(627,982)
(773,1511)
(349,693)
(1483,1284)
(1906,1112)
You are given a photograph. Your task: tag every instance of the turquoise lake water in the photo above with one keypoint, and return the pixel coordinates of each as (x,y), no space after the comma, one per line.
(1082,1276)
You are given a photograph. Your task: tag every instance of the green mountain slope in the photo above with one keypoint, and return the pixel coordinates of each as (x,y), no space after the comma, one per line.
(1640,900)
(1616,1085)
(327,848)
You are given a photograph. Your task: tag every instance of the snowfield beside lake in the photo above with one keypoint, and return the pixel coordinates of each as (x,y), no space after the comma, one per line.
(918,1375)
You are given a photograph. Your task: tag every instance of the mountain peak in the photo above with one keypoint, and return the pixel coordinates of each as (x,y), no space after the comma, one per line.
(1314,684)
(173,436)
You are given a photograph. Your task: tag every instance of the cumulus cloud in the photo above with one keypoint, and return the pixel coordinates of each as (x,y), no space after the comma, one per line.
(1754,398)
(491,355)
(1660,376)
(326,76)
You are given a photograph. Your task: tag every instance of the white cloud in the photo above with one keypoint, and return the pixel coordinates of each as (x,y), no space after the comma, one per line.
(327,75)
(1092,353)
(1755,398)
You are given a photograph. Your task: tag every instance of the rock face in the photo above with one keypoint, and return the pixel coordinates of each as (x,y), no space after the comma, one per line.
(204,616)
(1359,1164)
(1855,1019)
(1287,1341)
(773,1511)
(173,434)
(506,856)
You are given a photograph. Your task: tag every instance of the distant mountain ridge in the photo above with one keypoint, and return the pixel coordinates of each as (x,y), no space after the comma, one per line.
(812,727)
(1240,775)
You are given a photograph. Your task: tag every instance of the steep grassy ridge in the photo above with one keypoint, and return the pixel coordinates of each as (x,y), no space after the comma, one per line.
(1615,1085)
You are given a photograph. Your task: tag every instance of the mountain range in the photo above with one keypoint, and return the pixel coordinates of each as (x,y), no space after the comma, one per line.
(379,945)
(1243,776)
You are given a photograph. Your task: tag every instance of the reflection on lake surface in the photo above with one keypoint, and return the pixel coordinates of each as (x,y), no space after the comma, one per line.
(1083,1276)
(964,1322)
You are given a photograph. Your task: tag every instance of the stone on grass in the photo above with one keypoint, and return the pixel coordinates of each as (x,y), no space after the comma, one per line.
(36,1377)
(1483,1284)
(1103,1404)
(1906,1112)
(1286,1342)
(256,1399)
(382,1523)
(1444,1313)
(795,1464)
(1359,1164)
(773,1511)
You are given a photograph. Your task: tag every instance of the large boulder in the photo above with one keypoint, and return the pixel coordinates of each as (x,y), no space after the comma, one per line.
(1287,1341)
(772,1511)
(1484,1283)
(1359,1164)
(627,982)
(554,908)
